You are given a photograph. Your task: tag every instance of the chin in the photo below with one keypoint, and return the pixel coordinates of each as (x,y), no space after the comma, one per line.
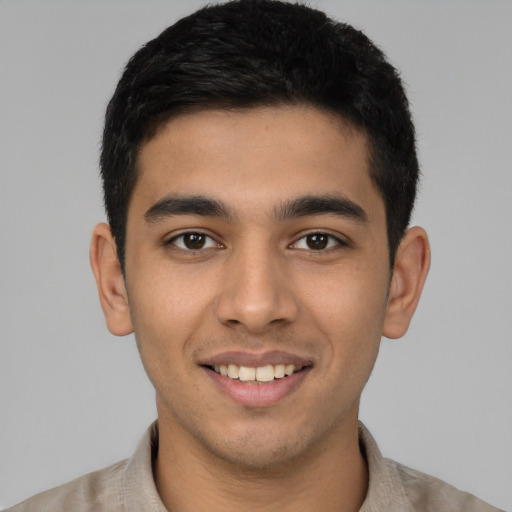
(264,449)
(252,455)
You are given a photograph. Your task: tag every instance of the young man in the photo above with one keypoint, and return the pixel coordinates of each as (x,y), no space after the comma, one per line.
(259,171)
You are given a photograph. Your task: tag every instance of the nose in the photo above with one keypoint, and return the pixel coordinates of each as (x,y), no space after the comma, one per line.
(257,292)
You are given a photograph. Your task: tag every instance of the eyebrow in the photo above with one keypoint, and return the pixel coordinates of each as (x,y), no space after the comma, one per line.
(187,205)
(321,205)
(203,206)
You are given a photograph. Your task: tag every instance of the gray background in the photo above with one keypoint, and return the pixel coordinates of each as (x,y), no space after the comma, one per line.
(73,398)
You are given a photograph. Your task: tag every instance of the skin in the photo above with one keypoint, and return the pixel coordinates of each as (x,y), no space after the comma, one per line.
(258,284)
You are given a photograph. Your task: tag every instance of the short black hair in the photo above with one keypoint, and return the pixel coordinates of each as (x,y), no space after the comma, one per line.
(250,53)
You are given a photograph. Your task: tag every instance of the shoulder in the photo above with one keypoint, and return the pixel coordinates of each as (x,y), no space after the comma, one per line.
(429,494)
(127,485)
(99,491)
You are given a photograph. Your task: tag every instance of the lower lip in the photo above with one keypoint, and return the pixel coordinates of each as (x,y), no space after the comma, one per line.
(259,395)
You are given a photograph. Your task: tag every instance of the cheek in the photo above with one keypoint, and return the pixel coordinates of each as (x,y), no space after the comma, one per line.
(165,298)
(165,322)
(349,300)
(349,309)
(169,308)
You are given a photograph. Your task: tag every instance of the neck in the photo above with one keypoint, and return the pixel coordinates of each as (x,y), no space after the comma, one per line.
(331,477)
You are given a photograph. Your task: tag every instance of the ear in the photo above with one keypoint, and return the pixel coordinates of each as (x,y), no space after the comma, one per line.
(409,273)
(110,281)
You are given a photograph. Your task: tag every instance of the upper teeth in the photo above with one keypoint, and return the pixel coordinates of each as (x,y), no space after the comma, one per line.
(265,373)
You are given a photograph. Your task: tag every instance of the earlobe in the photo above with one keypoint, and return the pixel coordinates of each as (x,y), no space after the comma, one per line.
(410,271)
(110,282)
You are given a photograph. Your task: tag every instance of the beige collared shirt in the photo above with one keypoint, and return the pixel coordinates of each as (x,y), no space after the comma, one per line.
(128,486)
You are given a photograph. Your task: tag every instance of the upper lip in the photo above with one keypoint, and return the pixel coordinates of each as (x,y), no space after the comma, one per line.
(254,360)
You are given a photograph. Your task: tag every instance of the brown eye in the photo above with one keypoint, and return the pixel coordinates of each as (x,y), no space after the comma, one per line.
(317,241)
(193,241)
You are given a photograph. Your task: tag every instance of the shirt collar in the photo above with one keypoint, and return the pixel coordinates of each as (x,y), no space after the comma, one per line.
(139,493)
(385,489)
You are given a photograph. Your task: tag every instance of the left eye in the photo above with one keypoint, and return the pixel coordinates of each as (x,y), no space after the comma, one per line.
(317,242)
(193,241)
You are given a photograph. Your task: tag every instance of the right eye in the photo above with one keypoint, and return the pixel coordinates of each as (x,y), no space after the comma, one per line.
(193,241)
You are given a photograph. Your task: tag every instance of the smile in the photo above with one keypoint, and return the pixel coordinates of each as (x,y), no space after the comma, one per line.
(257,386)
(259,374)
(257,379)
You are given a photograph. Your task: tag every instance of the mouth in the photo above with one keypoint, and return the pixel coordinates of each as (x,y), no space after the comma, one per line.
(257,380)
(255,375)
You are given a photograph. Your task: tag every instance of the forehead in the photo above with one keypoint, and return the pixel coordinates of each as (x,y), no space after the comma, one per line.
(255,158)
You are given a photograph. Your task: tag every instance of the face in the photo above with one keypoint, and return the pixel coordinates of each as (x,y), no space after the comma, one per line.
(256,246)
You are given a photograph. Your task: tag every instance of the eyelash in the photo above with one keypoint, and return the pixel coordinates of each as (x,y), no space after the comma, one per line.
(330,241)
(208,240)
